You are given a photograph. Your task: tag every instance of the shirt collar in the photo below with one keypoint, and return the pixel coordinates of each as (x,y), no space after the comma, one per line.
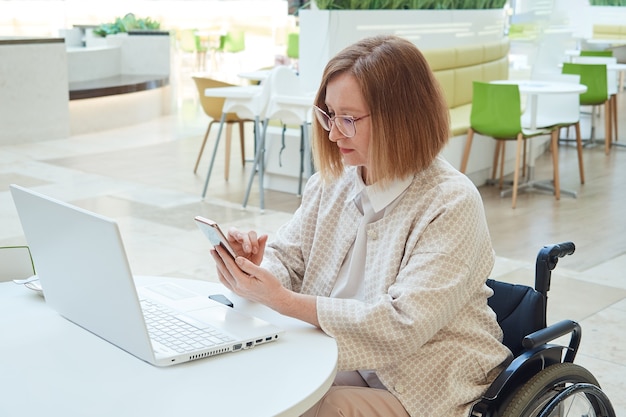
(379,197)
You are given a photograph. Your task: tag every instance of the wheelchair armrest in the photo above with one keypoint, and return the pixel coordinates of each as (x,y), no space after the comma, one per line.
(554,331)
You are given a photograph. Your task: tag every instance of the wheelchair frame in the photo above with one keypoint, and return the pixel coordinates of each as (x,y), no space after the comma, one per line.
(533,360)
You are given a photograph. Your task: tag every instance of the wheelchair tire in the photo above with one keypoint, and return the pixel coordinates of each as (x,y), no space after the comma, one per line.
(537,394)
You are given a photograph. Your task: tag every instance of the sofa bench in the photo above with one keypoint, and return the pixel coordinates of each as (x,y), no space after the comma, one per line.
(457,67)
(612,32)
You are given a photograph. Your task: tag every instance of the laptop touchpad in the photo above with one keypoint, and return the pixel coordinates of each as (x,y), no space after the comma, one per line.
(224,318)
(205,318)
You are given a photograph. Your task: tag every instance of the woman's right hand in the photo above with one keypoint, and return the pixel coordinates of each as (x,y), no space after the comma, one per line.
(248,245)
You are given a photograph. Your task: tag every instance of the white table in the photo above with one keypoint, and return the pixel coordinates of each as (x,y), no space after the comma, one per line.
(259,75)
(51,367)
(534,88)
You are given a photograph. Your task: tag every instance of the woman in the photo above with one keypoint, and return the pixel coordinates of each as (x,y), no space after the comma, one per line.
(389,251)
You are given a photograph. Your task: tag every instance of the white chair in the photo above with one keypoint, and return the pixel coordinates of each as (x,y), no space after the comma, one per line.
(612,84)
(558,111)
(291,105)
(551,51)
(247,102)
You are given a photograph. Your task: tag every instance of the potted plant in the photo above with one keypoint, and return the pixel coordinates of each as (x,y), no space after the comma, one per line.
(126,24)
(408,4)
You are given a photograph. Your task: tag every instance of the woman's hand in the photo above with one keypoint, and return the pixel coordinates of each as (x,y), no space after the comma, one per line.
(248,245)
(248,280)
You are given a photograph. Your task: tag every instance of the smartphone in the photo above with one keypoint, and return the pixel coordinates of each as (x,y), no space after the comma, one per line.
(215,235)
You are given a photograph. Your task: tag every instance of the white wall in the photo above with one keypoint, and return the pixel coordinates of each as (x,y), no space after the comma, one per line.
(323,33)
(33,92)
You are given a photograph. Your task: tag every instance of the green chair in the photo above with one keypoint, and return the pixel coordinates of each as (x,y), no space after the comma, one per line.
(594,76)
(231,46)
(189,42)
(606,53)
(293,45)
(496,112)
(232,42)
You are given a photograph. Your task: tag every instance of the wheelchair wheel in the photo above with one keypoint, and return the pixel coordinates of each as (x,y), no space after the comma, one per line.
(561,390)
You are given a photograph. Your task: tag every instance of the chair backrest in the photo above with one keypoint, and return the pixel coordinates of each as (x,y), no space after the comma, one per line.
(202,43)
(15,263)
(520,310)
(234,41)
(594,76)
(293,45)
(212,106)
(588,52)
(550,51)
(612,74)
(496,110)
(186,40)
(253,106)
(284,82)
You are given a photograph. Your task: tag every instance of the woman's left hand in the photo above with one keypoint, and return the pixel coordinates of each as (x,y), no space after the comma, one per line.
(254,283)
(246,279)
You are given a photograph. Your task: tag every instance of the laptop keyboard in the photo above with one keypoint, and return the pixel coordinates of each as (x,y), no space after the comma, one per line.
(164,327)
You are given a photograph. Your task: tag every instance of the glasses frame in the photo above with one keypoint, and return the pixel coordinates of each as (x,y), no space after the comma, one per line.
(330,121)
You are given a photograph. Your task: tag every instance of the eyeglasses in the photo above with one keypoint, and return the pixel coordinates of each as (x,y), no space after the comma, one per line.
(345,124)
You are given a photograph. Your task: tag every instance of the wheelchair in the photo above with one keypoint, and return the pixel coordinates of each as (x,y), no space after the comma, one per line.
(541,380)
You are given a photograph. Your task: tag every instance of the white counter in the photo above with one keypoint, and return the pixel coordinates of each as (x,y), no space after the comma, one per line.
(33,90)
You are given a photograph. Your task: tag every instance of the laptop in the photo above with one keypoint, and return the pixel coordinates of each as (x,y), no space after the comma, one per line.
(85,275)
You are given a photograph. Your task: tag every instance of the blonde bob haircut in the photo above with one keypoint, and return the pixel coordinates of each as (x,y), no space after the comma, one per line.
(408,112)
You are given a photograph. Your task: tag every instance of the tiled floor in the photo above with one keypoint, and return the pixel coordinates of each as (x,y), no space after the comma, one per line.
(142,176)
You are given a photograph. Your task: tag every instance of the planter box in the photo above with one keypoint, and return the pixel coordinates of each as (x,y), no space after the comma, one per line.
(323,33)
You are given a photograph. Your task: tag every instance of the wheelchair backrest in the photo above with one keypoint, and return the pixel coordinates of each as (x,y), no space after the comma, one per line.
(520,310)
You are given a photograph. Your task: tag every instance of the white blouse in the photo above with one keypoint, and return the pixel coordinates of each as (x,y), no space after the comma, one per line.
(373,202)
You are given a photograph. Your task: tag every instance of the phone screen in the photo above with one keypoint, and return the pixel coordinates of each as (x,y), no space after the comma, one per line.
(215,235)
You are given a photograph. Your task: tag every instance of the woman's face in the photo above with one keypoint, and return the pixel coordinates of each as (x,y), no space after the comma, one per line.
(343,98)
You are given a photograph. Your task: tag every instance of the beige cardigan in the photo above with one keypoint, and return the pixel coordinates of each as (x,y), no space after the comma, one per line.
(425,326)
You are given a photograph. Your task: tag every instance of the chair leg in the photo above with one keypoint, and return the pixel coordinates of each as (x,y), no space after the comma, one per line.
(614,114)
(242,143)
(607,125)
(579,146)
(206,136)
(525,144)
(229,137)
(520,144)
(496,157)
(466,151)
(555,164)
(502,158)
